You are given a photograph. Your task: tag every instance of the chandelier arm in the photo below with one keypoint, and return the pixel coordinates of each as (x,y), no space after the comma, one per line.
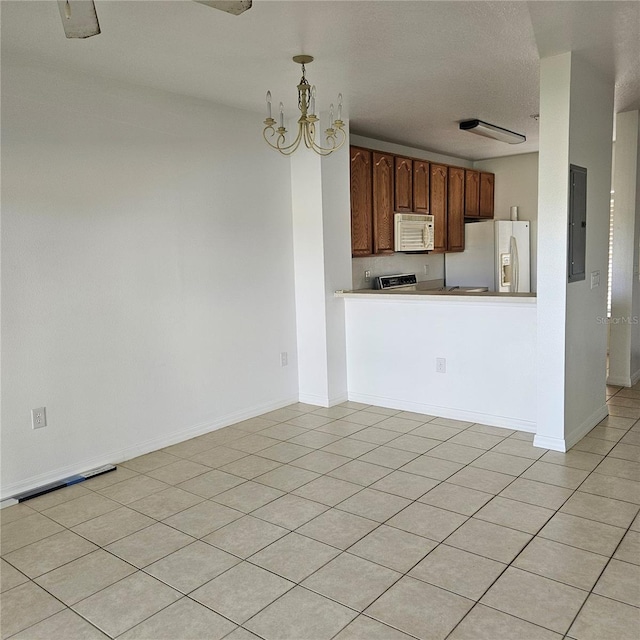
(278,146)
(271,134)
(332,140)
(343,135)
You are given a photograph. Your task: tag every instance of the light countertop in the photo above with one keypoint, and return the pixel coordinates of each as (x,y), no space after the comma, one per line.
(430,288)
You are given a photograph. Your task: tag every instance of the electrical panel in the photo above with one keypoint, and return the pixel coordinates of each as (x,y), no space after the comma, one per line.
(576,266)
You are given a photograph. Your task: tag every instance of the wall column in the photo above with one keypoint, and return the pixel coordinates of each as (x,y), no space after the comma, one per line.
(624,334)
(322,262)
(576,118)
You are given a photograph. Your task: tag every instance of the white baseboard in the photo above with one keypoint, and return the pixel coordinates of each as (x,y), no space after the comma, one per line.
(620,381)
(580,432)
(545,442)
(116,456)
(335,400)
(564,444)
(322,401)
(506,422)
(624,381)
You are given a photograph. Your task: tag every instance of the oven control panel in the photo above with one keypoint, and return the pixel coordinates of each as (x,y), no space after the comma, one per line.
(392,282)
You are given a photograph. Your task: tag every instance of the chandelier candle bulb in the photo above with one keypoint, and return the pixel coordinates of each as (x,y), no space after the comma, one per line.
(340,106)
(312,106)
(268,105)
(281,116)
(331,115)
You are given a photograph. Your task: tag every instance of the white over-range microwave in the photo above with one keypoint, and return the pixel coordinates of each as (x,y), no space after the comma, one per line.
(413,232)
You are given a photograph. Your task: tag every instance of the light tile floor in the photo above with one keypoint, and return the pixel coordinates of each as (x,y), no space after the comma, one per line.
(349,523)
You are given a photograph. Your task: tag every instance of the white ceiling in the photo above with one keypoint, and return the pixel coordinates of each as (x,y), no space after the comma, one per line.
(409,70)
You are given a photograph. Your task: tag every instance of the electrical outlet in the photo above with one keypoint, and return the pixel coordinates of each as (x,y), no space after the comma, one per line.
(38,418)
(426,269)
(367,275)
(284,359)
(441,365)
(595,279)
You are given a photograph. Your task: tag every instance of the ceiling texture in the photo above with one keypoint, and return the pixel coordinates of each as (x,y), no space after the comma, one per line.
(409,71)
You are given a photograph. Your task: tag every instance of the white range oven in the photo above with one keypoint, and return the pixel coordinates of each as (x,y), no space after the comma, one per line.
(409,282)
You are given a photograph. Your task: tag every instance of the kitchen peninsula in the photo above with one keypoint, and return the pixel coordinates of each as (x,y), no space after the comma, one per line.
(466,356)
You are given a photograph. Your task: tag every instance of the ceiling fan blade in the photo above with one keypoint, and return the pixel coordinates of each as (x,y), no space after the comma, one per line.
(79,18)
(235,7)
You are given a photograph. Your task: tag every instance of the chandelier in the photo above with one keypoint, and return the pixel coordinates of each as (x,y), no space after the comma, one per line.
(335,135)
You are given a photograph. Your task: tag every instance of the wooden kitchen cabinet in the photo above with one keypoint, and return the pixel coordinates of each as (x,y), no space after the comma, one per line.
(487,181)
(471,193)
(361,202)
(372,202)
(383,183)
(383,201)
(421,186)
(455,209)
(403,183)
(438,205)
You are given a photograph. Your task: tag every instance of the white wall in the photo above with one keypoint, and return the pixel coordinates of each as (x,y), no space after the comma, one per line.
(517,185)
(322,250)
(553,194)
(624,343)
(401,262)
(590,136)
(576,118)
(147,271)
(308,241)
(635,333)
(336,220)
(489,345)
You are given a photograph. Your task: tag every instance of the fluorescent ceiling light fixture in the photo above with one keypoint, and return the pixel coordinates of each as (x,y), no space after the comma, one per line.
(491,131)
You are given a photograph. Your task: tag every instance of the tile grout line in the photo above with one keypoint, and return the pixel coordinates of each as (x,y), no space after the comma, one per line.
(595,584)
(522,550)
(406,574)
(380,524)
(392,470)
(574,491)
(339,550)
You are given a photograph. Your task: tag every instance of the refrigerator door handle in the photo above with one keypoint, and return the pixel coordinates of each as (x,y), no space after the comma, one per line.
(513,249)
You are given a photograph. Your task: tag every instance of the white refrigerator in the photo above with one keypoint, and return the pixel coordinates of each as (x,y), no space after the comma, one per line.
(496,255)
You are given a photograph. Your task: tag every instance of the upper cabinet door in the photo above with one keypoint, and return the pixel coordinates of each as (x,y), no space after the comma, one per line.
(455,210)
(471,193)
(404,184)
(438,205)
(383,170)
(361,202)
(486,194)
(420,186)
